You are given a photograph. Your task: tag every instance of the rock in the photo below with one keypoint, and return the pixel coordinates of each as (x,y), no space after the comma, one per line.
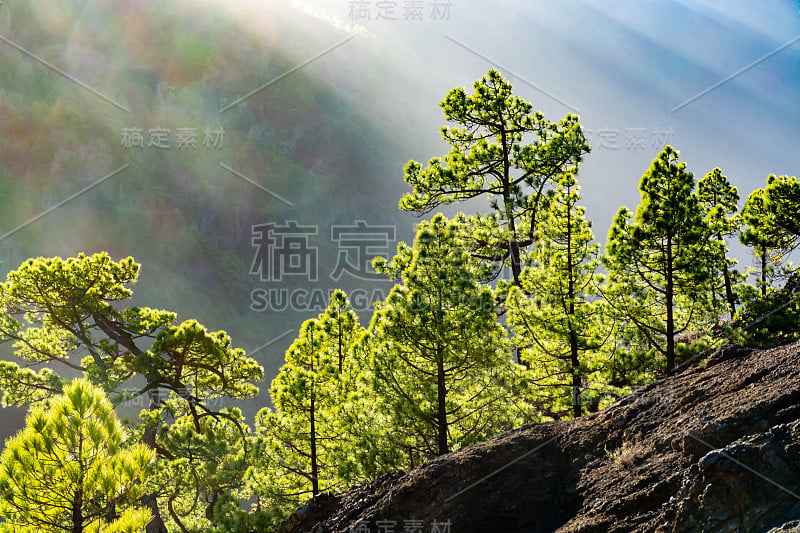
(715,447)
(789,527)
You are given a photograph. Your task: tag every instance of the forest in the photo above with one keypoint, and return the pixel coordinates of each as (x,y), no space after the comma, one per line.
(508,313)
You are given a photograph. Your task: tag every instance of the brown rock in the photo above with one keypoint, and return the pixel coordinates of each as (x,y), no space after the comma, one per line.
(715,447)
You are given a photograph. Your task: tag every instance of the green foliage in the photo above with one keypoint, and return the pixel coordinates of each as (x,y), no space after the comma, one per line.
(660,261)
(56,310)
(761,232)
(71,467)
(55,298)
(187,356)
(769,226)
(23,385)
(771,320)
(783,197)
(718,201)
(439,356)
(229,517)
(503,151)
(559,327)
(205,458)
(303,443)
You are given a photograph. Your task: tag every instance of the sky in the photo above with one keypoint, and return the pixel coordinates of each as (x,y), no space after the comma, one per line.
(716,80)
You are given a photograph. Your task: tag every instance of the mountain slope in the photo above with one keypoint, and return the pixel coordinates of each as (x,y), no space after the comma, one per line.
(713,448)
(312,137)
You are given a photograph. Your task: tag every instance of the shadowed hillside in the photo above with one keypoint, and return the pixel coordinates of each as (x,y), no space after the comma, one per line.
(713,448)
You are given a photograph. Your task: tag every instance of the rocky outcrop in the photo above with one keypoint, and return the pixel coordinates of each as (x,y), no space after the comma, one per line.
(715,447)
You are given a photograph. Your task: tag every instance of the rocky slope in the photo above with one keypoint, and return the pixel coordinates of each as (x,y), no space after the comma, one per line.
(715,447)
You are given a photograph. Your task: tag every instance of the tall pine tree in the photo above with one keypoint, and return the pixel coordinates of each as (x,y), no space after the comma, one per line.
(718,201)
(658,259)
(439,365)
(503,151)
(558,327)
(303,442)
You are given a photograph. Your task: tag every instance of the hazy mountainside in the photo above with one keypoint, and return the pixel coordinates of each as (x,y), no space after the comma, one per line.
(715,447)
(307,147)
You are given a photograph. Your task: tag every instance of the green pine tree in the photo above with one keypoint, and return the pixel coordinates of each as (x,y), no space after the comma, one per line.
(558,327)
(501,151)
(718,201)
(783,196)
(770,227)
(303,440)
(438,352)
(71,470)
(659,260)
(762,232)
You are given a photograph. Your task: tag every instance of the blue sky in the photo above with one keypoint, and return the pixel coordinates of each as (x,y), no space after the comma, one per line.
(627,67)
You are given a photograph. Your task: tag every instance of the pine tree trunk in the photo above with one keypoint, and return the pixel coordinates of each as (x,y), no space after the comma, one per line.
(149,501)
(573,337)
(670,295)
(576,375)
(514,253)
(508,204)
(729,293)
(77,514)
(442,407)
(341,344)
(727,277)
(314,465)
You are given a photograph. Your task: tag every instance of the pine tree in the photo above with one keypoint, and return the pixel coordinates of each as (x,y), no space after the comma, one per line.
(438,351)
(659,262)
(770,227)
(303,439)
(342,332)
(761,231)
(502,151)
(71,470)
(559,325)
(718,201)
(783,196)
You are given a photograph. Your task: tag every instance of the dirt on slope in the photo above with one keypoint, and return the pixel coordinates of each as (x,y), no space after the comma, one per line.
(713,448)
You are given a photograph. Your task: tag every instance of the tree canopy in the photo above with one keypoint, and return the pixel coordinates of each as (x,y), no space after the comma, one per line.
(70,313)
(501,150)
(451,356)
(72,469)
(657,258)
